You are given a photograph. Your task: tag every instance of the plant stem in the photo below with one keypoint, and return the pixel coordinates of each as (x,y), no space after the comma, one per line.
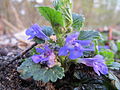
(96,47)
(18,57)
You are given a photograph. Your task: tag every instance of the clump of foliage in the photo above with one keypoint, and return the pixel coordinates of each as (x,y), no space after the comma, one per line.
(63,45)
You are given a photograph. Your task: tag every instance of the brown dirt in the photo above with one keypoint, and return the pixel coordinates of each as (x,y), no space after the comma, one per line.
(9,77)
(10,80)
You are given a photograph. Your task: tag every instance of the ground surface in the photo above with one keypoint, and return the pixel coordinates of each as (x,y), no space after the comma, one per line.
(9,77)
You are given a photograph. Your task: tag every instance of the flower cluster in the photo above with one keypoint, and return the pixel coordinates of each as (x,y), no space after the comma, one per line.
(62,45)
(74,47)
(46,56)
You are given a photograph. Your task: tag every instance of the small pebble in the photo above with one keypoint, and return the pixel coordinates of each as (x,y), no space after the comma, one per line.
(10,53)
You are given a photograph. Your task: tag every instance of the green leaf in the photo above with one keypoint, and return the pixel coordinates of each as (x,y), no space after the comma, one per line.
(30,69)
(89,35)
(78,21)
(118,45)
(88,81)
(65,7)
(39,41)
(115,66)
(33,51)
(48,31)
(115,80)
(55,17)
(108,56)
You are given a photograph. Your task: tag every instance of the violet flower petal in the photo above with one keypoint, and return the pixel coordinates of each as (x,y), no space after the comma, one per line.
(36,58)
(72,37)
(30,32)
(46,56)
(103,69)
(63,51)
(96,69)
(99,57)
(39,50)
(83,42)
(97,63)
(36,31)
(74,46)
(75,54)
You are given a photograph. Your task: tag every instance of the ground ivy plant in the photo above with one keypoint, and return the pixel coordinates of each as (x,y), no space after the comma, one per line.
(63,43)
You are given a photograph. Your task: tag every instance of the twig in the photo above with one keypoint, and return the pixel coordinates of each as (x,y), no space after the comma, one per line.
(19,56)
(20,24)
(110,34)
(9,24)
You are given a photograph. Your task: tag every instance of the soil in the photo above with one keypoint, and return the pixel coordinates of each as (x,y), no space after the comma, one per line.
(10,80)
(9,77)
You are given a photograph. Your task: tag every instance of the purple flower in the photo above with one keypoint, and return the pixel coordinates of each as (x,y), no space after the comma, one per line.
(72,37)
(36,31)
(97,62)
(74,47)
(46,56)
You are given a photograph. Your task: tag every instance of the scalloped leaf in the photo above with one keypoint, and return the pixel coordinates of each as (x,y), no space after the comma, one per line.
(89,82)
(89,35)
(55,17)
(30,69)
(115,81)
(78,21)
(115,66)
(48,31)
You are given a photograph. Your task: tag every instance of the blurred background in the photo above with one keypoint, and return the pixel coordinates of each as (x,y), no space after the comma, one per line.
(17,15)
